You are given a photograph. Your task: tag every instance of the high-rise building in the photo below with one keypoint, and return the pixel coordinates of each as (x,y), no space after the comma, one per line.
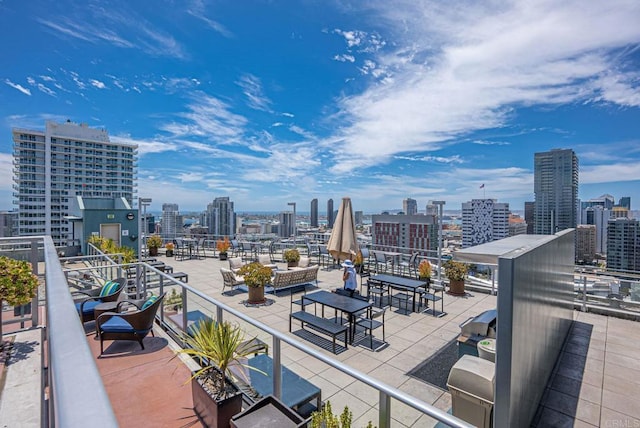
(599,217)
(619,212)
(393,232)
(605,201)
(8,224)
(625,202)
(314,213)
(287,223)
(410,206)
(484,220)
(623,244)
(556,191)
(171,221)
(358,217)
(330,216)
(528,216)
(585,243)
(221,217)
(61,162)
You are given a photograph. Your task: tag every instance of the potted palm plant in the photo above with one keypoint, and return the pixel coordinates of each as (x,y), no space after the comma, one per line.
(223,245)
(153,243)
(291,256)
(18,284)
(217,347)
(456,272)
(256,277)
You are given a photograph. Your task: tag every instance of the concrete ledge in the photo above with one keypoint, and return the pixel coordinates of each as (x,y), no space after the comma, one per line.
(22,395)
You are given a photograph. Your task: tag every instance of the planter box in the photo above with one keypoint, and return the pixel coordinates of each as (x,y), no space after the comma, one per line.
(211,412)
(266,413)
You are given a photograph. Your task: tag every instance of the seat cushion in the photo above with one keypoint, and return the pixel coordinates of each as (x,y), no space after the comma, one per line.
(116,325)
(88,307)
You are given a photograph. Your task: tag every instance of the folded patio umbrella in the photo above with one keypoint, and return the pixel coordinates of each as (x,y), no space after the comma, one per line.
(343,243)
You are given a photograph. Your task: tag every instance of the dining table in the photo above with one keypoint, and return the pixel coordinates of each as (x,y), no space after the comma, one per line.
(345,304)
(400,283)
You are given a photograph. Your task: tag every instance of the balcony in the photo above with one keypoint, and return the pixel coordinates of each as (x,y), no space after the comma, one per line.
(356,376)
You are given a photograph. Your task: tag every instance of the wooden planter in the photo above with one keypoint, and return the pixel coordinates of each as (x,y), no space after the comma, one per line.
(214,413)
(256,294)
(292,264)
(456,288)
(153,251)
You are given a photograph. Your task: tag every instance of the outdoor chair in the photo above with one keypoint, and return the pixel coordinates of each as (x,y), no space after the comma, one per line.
(372,319)
(200,250)
(236,248)
(409,266)
(299,301)
(235,263)
(376,290)
(182,250)
(324,258)
(247,250)
(313,251)
(381,262)
(109,292)
(265,260)
(230,279)
(128,325)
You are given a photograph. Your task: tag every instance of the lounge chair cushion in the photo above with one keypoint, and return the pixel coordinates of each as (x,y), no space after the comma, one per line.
(109,288)
(117,324)
(304,262)
(150,301)
(88,307)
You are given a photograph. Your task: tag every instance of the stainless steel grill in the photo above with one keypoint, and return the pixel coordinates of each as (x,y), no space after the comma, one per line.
(476,329)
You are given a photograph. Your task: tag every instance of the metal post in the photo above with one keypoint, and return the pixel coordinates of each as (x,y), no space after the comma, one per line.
(277,369)
(584,294)
(384,412)
(440,213)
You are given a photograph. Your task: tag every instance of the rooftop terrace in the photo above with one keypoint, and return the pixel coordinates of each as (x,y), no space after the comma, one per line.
(592,385)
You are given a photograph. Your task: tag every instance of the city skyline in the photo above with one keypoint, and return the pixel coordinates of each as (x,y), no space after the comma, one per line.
(392,100)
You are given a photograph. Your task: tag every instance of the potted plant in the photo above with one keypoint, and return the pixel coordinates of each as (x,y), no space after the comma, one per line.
(172,302)
(169,247)
(153,243)
(216,346)
(424,271)
(256,277)
(18,284)
(223,246)
(456,272)
(291,256)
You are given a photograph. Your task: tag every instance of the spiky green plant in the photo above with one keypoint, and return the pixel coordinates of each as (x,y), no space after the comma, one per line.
(217,345)
(18,284)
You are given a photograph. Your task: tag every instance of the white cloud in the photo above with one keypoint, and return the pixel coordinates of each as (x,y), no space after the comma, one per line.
(438,159)
(277,124)
(196,8)
(288,114)
(145,147)
(344,58)
(17,86)
(491,143)
(252,89)
(98,84)
(190,177)
(463,68)
(623,171)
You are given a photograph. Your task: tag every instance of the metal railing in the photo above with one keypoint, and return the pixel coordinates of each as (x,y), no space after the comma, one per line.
(151,277)
(73,400)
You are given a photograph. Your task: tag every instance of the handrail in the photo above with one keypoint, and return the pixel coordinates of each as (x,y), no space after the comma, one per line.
(73,401)
(385,390)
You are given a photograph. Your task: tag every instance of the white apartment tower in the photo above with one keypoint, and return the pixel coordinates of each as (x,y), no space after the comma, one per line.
(484,220)
(171,221)
(66,160)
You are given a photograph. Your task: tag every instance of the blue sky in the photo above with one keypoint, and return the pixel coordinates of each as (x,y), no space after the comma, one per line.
(273,102)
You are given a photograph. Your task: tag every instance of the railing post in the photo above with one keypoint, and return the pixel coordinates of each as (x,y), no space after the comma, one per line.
(277,369)
(34,267)
(185,310)
(384,414)
(584,294)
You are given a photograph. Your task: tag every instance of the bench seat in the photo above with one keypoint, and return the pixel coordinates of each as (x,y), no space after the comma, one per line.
(324,325)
